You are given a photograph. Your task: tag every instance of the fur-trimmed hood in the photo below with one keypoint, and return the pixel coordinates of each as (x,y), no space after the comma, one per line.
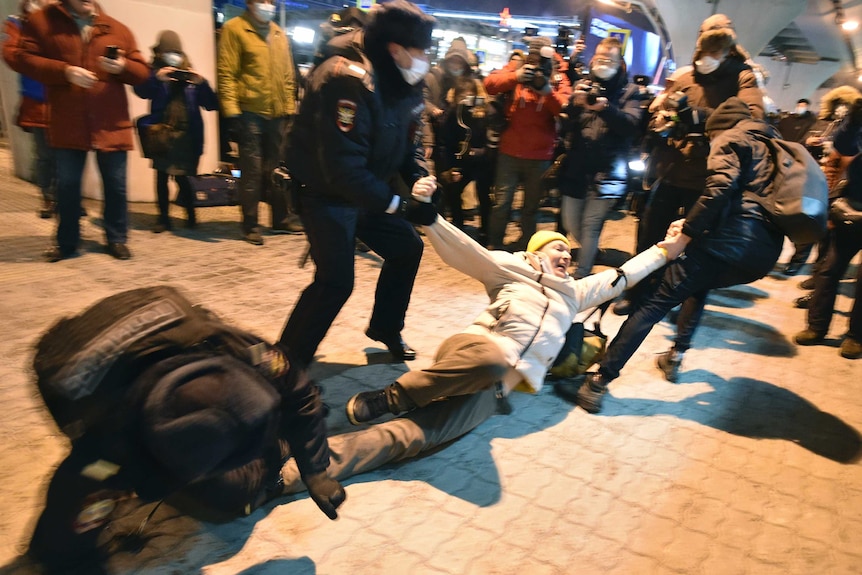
(831,99)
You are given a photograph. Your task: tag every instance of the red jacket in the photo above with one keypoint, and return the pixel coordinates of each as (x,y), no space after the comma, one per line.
(532,128)
(32,112)
(94,119)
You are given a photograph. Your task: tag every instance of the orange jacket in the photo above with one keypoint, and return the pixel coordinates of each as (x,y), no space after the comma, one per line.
(94,119)
(32,113)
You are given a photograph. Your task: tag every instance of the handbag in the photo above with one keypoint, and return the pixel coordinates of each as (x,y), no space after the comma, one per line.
(845,212)
(582,349)
(158,139)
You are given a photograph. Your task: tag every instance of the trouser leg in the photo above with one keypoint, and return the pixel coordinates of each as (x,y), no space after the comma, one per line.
(465,364)
(400,438)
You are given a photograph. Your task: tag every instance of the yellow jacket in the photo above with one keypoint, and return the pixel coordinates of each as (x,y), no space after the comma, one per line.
(255,74)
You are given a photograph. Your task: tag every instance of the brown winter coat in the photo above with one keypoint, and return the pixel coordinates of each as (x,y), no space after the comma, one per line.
(94,119)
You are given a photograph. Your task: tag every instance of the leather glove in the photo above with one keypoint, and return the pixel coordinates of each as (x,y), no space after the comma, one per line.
(326,492)
(420,213)
(526,73)
(424,188)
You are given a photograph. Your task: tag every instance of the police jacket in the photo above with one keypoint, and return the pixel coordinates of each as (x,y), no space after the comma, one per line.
(598,142)
(724,222)
(848,142)
(681,159)
(358,128)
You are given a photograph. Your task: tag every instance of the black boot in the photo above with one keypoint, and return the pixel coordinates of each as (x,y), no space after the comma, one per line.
(669,363)
(369,405)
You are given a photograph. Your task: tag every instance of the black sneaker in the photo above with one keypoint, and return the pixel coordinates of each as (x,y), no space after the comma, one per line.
(803,302)
(399,348)
(290,225)
(591,393)
(668,363)
(367,406)
(622,307)
(807,283)
(56,253)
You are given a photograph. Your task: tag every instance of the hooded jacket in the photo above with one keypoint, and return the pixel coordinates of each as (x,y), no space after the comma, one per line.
(255,74)
(724,222)
(94,119)
(532,130)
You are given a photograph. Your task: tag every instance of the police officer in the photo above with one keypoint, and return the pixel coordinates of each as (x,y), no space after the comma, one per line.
(355,156)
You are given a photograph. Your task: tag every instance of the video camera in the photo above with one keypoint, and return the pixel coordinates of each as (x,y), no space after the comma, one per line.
(594,91)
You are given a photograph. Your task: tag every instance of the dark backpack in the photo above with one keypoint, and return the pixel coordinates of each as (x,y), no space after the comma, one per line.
(797,197)
(86,364)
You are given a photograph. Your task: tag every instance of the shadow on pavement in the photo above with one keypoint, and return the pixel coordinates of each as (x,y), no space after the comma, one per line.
(752,408)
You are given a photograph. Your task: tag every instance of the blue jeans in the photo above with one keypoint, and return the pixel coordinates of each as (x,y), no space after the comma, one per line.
(583,219)
(332,231)
(512,171)
(687,279)
(70,169)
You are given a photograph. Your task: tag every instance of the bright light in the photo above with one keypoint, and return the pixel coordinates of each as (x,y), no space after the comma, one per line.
(849,25)
(637,165)
(303,35)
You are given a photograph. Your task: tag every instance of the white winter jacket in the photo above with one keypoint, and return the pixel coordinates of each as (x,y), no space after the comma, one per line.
(530,311)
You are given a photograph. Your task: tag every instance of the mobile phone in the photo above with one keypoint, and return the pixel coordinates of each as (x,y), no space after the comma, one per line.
(112,52)
(181,75)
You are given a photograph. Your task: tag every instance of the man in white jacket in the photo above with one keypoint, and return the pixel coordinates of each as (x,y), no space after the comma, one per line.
(511,345)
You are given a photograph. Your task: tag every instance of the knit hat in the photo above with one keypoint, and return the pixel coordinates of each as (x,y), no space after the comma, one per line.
(400,22)
(727,115)
(207,416)
(169,41)
(543,237)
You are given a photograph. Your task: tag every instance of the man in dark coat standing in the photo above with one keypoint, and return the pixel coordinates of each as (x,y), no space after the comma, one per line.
(356,157)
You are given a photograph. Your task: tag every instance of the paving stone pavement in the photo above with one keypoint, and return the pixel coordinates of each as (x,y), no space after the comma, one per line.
(747,466)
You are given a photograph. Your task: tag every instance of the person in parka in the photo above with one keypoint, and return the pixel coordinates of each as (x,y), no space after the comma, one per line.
(720,70)
(728,240)
(600,123)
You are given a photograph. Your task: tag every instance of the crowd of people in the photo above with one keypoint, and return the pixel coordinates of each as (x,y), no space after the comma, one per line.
(379,146)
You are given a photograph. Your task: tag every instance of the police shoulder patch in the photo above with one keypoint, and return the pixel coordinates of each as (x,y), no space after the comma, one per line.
(345,115)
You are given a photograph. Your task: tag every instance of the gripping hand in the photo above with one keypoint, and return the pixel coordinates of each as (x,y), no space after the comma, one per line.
(326,492)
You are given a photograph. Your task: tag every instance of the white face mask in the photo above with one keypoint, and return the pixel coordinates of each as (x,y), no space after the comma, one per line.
(603,72)
(800,110)
(707,65)
(418,70)
(841,111)
(265,12)
(172,59)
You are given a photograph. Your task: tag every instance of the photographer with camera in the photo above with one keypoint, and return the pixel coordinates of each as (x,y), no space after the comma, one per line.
(720,71)
(600,123)
(539,90)
(176,93)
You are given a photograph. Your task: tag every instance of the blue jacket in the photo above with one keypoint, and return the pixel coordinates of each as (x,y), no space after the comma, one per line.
(196,96)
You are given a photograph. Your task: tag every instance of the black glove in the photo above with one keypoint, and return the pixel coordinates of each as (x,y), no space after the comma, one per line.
(526,73)
(326,492)
(420,213)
